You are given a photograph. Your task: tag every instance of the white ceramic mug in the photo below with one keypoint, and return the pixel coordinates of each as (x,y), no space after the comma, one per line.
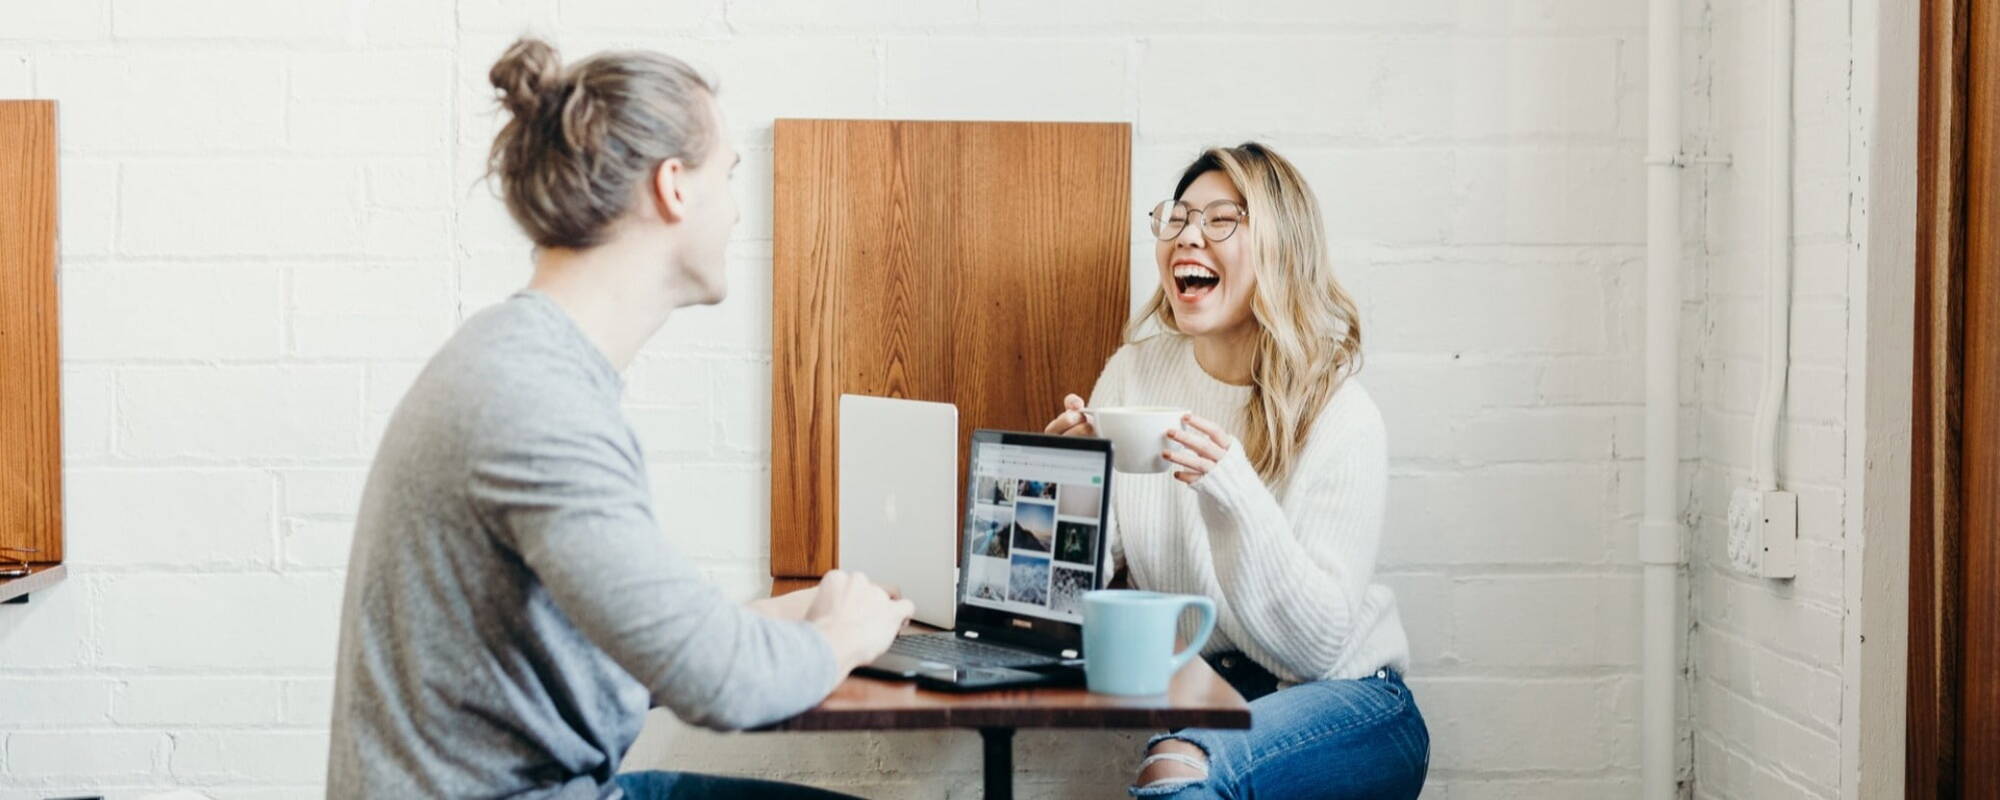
(1138,434)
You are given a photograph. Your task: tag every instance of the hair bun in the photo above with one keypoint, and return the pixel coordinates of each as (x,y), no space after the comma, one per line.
(580,136)
(527,75)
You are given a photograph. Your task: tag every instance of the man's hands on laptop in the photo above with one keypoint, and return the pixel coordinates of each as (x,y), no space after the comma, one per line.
(858,617)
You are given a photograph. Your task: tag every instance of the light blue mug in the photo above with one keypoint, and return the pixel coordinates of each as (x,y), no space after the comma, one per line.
(1128,639)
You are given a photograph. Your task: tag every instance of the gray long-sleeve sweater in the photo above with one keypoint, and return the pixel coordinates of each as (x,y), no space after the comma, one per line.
(512,606)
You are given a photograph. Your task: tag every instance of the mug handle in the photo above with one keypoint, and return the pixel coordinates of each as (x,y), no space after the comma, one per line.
(1193,649)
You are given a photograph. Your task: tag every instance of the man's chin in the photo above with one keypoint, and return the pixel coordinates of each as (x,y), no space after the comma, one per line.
(705,288)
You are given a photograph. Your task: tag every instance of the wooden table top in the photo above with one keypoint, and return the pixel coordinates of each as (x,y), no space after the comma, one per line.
(1197,698)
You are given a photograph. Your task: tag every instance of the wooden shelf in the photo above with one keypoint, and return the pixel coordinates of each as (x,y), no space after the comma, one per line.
(41,576)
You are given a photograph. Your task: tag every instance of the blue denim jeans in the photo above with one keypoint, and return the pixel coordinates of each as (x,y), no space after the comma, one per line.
(693,786)
(1328,739)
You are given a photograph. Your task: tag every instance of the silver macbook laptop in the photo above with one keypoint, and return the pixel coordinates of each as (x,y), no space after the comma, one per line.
(899,499)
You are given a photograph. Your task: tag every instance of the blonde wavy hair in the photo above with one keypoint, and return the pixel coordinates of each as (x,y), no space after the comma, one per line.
(1308,329)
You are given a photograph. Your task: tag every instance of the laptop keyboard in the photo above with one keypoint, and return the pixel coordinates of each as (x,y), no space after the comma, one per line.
(950,649)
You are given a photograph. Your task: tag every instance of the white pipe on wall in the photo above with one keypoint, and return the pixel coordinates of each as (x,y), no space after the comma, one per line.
(1659,533)
(1763,521)
(1778,280)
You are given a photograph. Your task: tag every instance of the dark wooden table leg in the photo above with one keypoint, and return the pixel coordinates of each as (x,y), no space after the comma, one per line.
(999,762)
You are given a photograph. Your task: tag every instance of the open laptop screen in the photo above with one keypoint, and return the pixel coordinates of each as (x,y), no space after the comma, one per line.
(1034,528)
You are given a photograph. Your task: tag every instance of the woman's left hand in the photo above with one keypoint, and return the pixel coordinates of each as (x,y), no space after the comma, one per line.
(1206,445)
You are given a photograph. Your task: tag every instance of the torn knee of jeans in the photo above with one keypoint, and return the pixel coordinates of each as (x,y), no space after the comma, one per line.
(1193,768)
(1153,746)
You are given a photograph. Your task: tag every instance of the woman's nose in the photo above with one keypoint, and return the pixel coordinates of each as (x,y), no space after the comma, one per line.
(1190,236)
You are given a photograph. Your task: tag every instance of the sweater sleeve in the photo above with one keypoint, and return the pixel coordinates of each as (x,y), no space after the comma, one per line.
(1295,573)
(1110,391)
(570,499)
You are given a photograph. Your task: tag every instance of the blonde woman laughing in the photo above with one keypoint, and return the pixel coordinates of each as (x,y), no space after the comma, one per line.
(1274,508)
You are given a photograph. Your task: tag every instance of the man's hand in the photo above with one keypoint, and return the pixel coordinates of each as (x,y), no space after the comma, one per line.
(794,604)
(858,618)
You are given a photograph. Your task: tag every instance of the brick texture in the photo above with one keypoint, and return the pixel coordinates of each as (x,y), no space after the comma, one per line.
(1766,656)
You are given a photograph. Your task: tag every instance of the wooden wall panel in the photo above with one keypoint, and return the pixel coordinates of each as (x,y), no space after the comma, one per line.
(30,409)
(1931,745)
(1952,746)
(979,263)
(1979,457)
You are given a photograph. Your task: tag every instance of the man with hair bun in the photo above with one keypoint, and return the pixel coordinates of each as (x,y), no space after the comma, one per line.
(512,608)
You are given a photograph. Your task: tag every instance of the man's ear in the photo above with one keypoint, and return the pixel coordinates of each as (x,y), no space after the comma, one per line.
(669,190)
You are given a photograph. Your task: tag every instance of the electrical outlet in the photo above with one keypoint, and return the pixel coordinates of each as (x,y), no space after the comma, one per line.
(1764,533)
(1744,506)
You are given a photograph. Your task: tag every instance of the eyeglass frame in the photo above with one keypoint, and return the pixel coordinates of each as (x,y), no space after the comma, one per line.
(1243,212)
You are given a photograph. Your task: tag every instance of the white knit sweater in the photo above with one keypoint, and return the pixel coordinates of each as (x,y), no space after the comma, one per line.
(1290,567)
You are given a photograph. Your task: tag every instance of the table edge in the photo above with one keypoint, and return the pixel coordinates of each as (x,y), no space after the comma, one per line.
(1002,717)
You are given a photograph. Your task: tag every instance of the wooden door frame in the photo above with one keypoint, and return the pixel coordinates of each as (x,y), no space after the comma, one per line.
(1953,743)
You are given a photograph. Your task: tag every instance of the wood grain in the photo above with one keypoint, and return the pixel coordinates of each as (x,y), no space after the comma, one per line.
(1979,446)
(1931,746)
(1953,741)
(30,368)
(1198,697)
(978,263)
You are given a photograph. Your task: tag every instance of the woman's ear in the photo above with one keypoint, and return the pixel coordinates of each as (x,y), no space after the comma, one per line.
(668,190)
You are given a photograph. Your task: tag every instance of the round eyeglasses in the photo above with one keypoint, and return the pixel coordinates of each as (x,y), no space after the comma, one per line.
(1218,219)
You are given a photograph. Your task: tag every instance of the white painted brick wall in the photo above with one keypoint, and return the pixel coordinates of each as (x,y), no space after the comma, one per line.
(15,79)
(253,756)
(223,101)
(228,19)
(250,207)
(96,754)
(29,20)
(226,413)
(170,517)
(89,212)
(270,218)
(1767,655)
(116,314)
(198,701)
(59,702)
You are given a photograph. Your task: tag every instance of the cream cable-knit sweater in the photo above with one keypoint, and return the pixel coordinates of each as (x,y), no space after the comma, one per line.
(1291,568)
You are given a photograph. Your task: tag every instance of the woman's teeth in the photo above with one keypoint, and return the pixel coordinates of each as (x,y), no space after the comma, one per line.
(1191,279)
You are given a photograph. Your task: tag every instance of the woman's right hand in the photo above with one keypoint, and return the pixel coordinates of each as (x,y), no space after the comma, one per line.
(1071,422)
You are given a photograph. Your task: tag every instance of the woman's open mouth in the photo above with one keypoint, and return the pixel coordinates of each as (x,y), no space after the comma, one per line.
(1193,281)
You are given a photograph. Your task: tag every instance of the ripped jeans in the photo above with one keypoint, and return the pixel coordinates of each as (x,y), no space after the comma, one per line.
(1360,738)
